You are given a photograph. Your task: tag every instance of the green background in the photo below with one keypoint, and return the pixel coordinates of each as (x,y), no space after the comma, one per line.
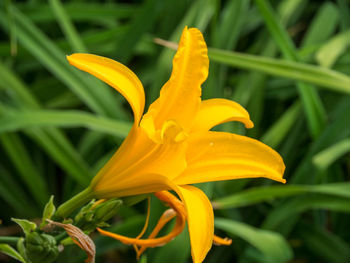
(287,62)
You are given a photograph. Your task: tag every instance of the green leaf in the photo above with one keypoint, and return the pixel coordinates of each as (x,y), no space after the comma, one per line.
(263,194)
(277,29)
(141,22)
(14,195)
(328,54)
(26,168)
(169,253)
(344,12)
(297,205)
(336,131)
(95,94)
(49,211)
(273,246)
(20,93)
(312,103)
(51,140)
(325,158)
(279,130)
(67,26)
(10,251)
(80,11)
(323,77)
(225,36)
(324,244)
(54,142)
(22,120)
(143,259)
(26,225)
(322,26)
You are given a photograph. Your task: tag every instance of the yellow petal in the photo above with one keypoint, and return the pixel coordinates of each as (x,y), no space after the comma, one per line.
(170,132)
(116,75)
(200,220)
(133,149)
(180,97)
(146,183)
(215,111)
(140,165)
(215,156)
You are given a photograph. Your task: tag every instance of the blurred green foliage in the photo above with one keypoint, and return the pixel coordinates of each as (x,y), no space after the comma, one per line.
(287,62)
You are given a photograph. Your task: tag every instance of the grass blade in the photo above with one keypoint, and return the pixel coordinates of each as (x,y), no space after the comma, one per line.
(26,168)
(278,131)
(324,244)
(22,120)
(325,158)
(328,54)
(314,110)
(263,194)
(296,206)
(89,90)
(80,11)
(323,25)
(323,77)
(265,241)
(63,152)
(13,194)
(67,26)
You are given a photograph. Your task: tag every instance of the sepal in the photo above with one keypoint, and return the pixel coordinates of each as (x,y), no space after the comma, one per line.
(26,225)
(49,211)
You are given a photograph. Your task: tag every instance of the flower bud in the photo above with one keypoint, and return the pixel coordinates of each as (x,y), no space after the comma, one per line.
(107,210)
(41,248)
(91,216)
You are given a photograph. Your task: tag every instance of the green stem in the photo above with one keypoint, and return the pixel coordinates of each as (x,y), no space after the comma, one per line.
(9,240)
(74,203)
(61,236)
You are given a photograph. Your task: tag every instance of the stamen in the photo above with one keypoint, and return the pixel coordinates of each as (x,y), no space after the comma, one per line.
(151,242)
(97,203)
(172,201)
(177,209)
(218,241)
(163,220)
(145,225)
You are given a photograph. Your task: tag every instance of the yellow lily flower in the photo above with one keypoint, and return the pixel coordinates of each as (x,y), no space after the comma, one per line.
(171,146)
